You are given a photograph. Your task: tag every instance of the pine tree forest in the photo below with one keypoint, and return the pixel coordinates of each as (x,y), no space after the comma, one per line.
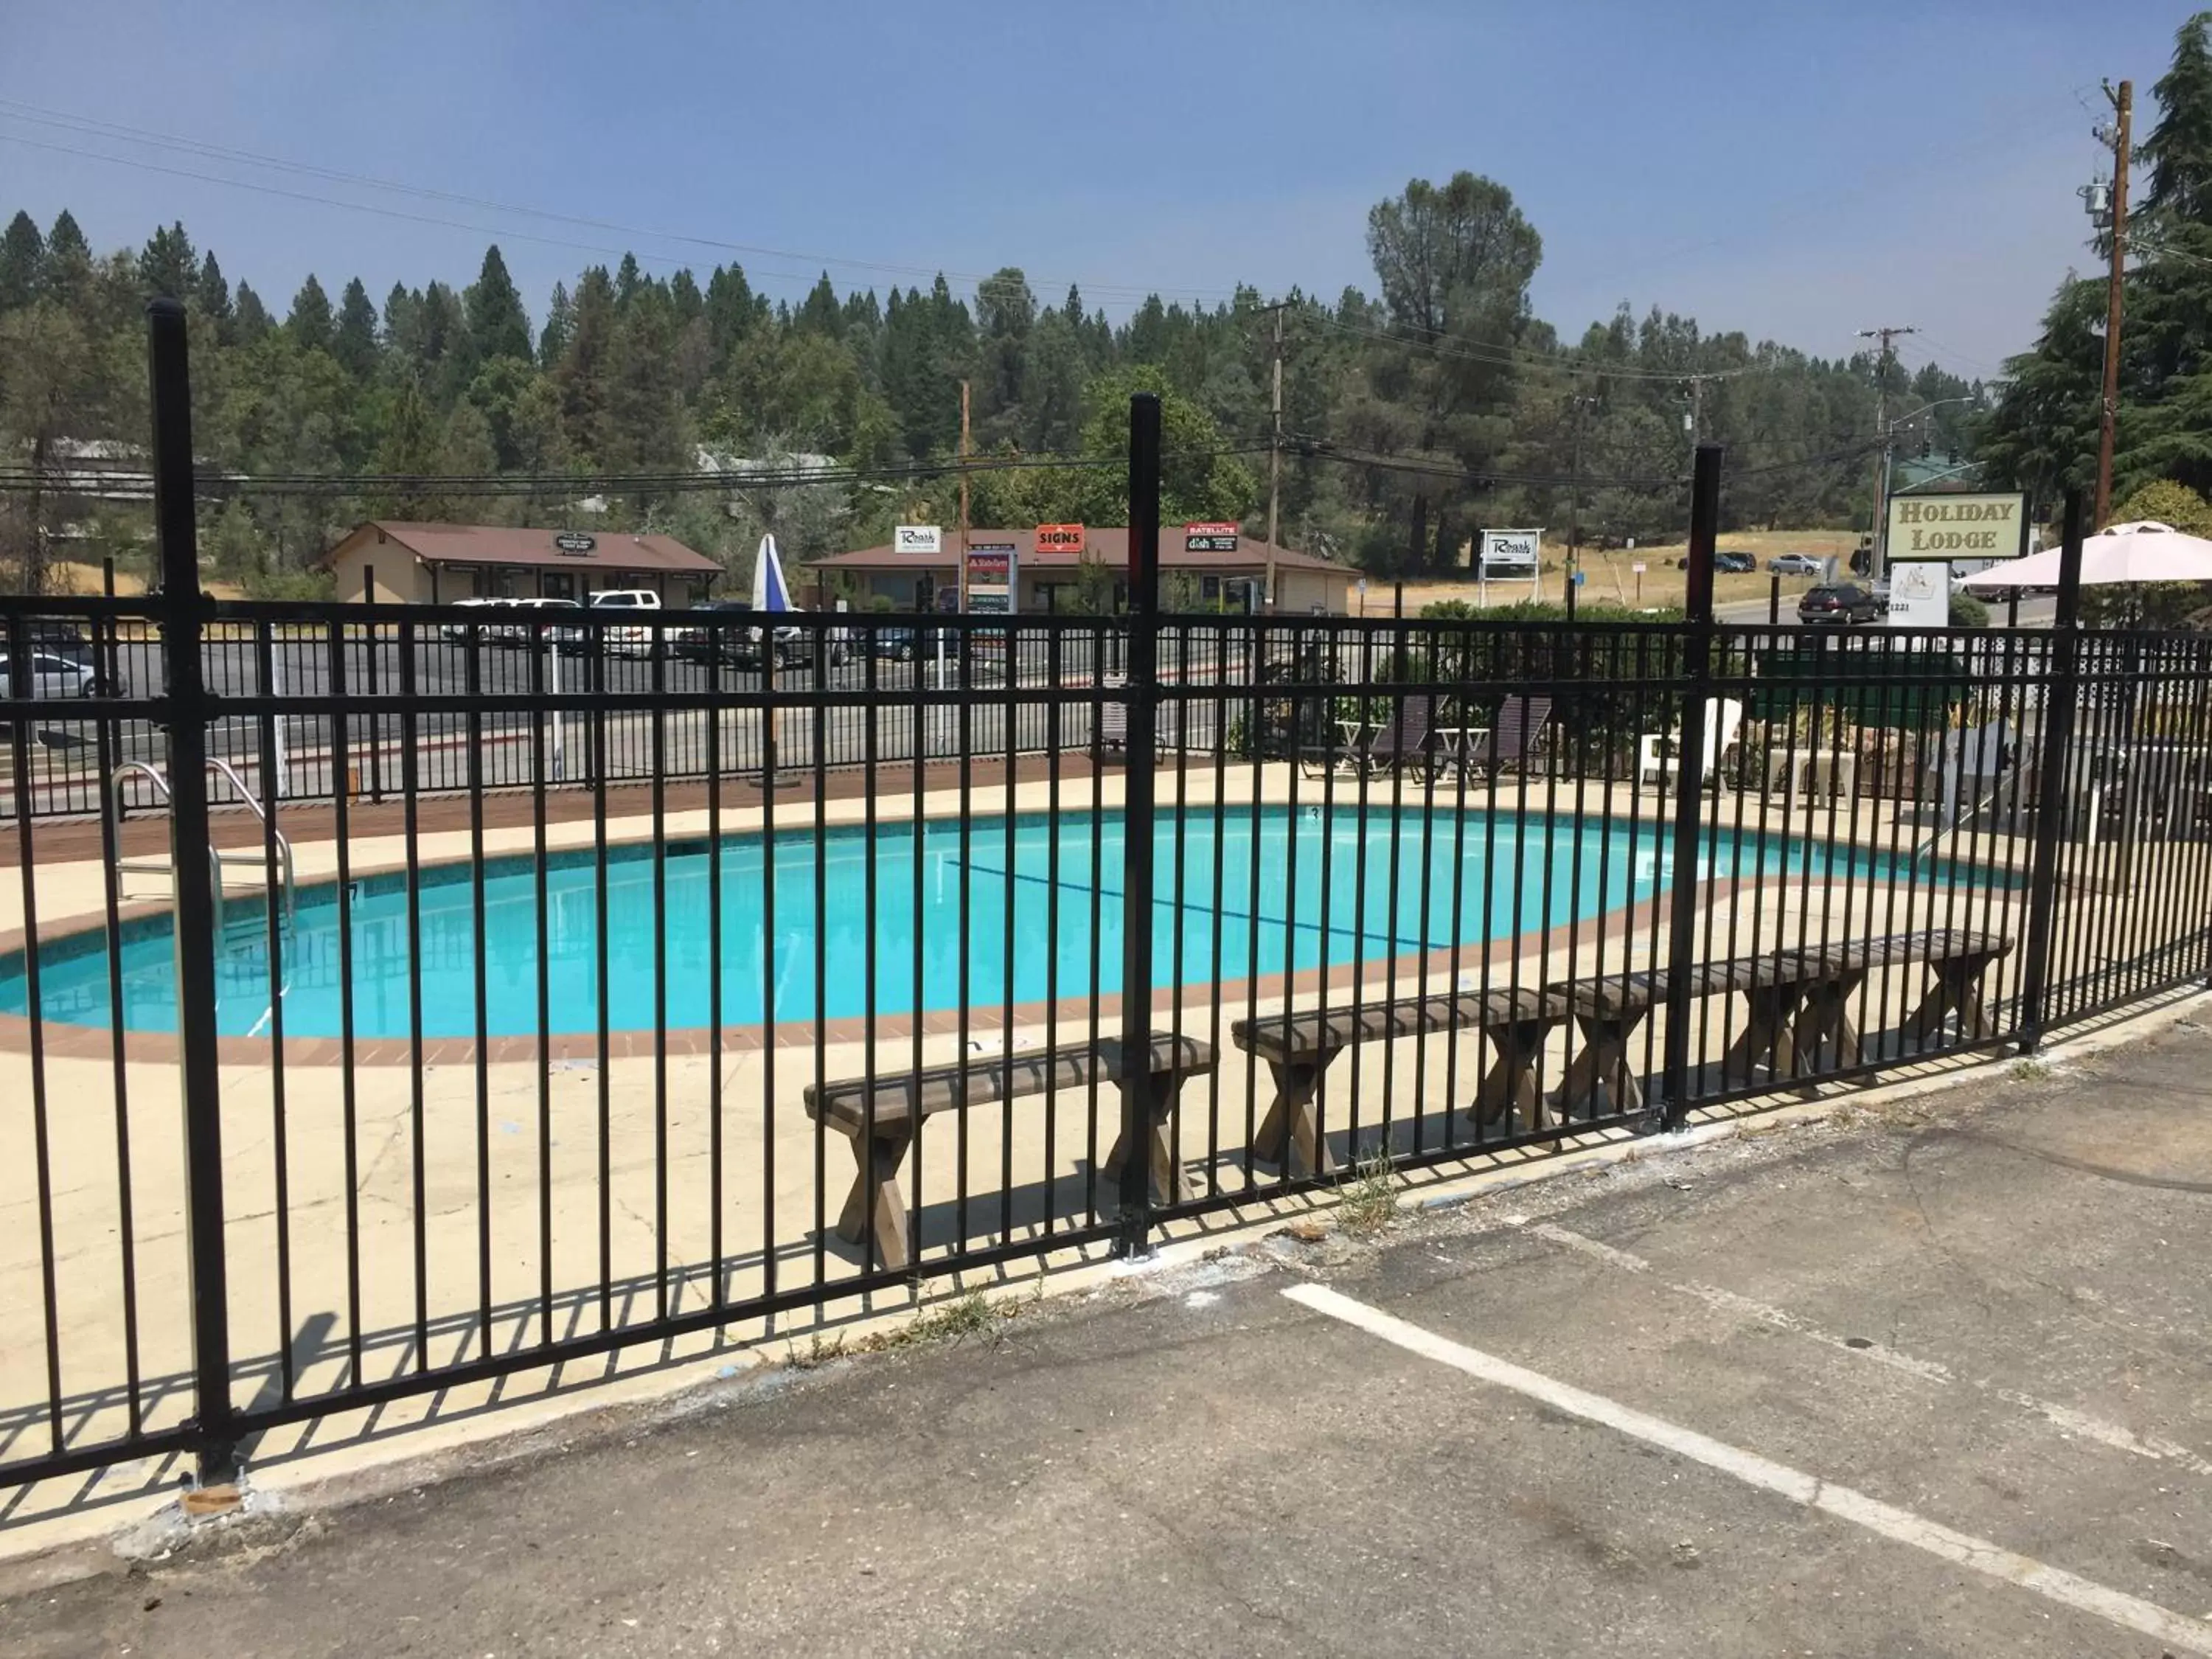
(1414,413)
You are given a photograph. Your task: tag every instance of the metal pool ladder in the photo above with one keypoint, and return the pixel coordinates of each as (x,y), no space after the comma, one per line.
(217,859)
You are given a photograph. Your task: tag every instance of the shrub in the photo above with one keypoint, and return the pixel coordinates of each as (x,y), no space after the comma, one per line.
(1967,612)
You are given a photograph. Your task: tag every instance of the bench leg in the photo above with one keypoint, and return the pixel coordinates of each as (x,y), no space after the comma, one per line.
(1168,1185)
(1290,1125)
(1765,1033)
(1603,1065)
(880,1231)
(1958,985)
(1511,1083)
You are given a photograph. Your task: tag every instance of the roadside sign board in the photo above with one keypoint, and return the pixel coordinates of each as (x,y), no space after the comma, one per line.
(1920,593)
(918,538)
(1060,538)
(1209,538)
(1974,530)
(991,567)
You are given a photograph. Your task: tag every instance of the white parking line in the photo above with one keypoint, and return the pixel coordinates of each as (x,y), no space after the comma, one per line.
(2065,1418)
(1902,1526)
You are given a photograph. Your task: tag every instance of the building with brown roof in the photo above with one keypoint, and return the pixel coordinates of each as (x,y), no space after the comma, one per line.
(1304,585)
(396,563)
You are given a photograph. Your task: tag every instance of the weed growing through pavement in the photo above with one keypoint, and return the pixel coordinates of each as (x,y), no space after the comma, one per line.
(2030,1071)
(1369,1200)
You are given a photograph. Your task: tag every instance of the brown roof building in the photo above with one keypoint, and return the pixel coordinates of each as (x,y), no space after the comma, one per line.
(1044,581)
(393,562)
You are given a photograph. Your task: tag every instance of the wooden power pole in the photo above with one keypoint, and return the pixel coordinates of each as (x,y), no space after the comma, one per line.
(1274,464)
(1877,527)
(960,572)
(2108,417)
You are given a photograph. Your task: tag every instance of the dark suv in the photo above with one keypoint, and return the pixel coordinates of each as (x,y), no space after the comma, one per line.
(1843,604)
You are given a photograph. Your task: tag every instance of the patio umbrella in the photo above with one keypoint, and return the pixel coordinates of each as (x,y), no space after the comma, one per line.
(2142,552)
(769,592)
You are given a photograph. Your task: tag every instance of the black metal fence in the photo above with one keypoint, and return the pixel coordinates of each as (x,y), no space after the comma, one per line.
(798,987)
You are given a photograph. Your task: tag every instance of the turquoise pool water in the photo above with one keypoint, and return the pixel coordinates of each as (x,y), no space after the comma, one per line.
(1485,878)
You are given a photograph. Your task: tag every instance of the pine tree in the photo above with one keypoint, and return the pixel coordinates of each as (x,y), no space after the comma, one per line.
(559,322)
(212,293)
(67,267)
(497,325)
(412,449)
(821,314)
(628,279)
(582,373)
(353,342)
(2178,151)
(252,321)
(22,258)
(310,326)
(732,311)
(166,265)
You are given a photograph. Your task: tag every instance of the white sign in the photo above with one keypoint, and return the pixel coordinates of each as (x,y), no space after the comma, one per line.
(1920,593)
(917,539)
(1510,553)
(1636,568)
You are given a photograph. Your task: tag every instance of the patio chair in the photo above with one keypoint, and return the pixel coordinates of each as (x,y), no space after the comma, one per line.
(1515,736)
(1657,751)
(1404,744)
(1972,770)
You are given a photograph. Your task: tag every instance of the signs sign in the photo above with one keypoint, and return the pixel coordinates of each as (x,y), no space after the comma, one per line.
(1980,528)
(917,539)
(1060,538)
(1209,538)
(574,541)
(991,567)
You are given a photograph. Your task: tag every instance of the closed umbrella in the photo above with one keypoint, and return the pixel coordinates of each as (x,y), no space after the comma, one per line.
(2141,552)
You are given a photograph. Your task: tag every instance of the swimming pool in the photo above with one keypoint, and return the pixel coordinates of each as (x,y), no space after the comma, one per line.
(1296,890)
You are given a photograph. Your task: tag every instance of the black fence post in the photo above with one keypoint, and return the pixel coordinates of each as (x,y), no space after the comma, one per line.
(1689,777)
(1774,598)
(2063,690)
(190,708)
(1140,695)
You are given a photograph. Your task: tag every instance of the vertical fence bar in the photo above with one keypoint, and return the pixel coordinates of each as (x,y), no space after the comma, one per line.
(1141,694)
(200,1083)
(2063,690)
(1698,671)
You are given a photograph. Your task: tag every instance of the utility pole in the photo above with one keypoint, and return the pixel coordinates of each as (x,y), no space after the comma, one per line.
(1575,495)
(1274,464)
(961,573)
(1695,422)
(1876,559)
(2108,419)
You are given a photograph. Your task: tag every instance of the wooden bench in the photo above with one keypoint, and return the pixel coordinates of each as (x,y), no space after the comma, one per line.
(1800,997)
(887,1110)
(1299,1047)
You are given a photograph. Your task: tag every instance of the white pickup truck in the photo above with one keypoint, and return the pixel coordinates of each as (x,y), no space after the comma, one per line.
(632,641)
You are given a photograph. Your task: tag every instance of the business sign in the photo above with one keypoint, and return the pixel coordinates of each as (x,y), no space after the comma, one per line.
(1060,538)
(991,567)
(1967,528)
(574,541)
(917,539)
(1509,553)
(1209,538)
(1920,593)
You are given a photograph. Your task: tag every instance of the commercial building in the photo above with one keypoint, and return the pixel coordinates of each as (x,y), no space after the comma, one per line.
(394,563)
(1049,581)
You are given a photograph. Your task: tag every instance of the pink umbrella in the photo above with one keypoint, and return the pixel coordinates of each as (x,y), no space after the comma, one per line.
(2144,552)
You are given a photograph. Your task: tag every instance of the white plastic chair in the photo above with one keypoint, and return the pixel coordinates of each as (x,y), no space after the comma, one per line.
(1655,751)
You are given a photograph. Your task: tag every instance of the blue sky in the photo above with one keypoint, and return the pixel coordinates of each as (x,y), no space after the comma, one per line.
(1796,169)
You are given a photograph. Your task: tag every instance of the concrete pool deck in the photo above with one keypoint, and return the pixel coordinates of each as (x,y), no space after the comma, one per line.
(507,1122)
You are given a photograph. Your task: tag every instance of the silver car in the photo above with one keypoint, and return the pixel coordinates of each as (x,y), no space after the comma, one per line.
(52,677)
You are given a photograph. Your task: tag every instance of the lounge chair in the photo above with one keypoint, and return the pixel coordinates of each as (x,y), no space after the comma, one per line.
(1514,737)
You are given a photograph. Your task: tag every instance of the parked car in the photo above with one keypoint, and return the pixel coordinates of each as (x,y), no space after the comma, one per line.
(54,675)
(518,633)
(457,632)
(795,644)
(634,640)
(1797,564)
(1841,604)
(905,644)
(729,643)
(57,636)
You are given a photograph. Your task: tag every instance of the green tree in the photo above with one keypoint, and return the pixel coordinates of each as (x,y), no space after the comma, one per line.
(412,450)
(212,295)
(2163,501)
(497,325)
(559,322)
(22,256)
(310,324)
(47,391)
(234,545)
(167,265)
(253,320)
(354,339)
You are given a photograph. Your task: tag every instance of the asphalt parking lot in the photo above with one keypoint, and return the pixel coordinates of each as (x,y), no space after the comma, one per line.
(1923,1379)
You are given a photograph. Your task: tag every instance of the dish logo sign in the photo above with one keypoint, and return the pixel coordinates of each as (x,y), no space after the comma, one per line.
(917,539)
(1060,538)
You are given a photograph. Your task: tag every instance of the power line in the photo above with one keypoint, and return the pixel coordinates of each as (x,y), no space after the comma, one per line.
(16,110)
(1507,356)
